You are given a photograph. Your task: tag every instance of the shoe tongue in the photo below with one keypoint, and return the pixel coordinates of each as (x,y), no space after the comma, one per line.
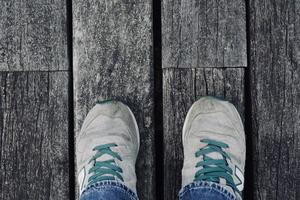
(218,156)
(215,155)
(105,157)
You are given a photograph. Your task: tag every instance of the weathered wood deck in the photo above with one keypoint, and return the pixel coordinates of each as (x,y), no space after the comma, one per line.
(57,58)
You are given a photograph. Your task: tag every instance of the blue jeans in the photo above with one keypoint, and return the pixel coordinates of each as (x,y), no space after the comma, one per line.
(111,190)
(108,190)
(202,190)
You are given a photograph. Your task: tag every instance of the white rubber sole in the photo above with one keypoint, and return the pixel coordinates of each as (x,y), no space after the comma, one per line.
(136,126)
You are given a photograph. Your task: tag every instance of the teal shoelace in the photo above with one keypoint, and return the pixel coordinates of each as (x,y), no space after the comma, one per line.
(214,169)
(104,170)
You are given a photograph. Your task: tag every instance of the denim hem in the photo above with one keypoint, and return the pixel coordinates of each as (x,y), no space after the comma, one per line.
(115,184)
(208,185)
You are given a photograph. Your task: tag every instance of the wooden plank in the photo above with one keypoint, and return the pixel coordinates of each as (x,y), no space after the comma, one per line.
(181,87)
(201,33)
(275,91)
(33,35)
(34,159)
(225,83)
(113,60)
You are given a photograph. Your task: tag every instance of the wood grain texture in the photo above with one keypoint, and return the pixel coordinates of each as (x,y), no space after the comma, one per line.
(275,90)
(33,35)
(113,60)
(203,33)
(181,87)
(34,159)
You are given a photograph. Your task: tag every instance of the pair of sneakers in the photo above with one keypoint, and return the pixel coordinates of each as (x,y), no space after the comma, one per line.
(213,143)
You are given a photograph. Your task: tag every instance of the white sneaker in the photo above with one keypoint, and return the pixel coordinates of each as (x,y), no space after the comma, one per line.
(214,145)
(107,146)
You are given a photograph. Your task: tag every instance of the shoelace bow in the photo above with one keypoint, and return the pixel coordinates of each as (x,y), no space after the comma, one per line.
(214,169)
(103,169)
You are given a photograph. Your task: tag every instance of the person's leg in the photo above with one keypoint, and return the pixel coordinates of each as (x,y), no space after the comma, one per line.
(105,190)
(214,152)
(205,190)
(106,152)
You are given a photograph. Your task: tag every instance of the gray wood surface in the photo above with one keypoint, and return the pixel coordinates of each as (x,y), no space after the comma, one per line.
(275,90)
(181,87)
(202,33)
(34,121)
(33,35)
(113,60)
(112,57)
